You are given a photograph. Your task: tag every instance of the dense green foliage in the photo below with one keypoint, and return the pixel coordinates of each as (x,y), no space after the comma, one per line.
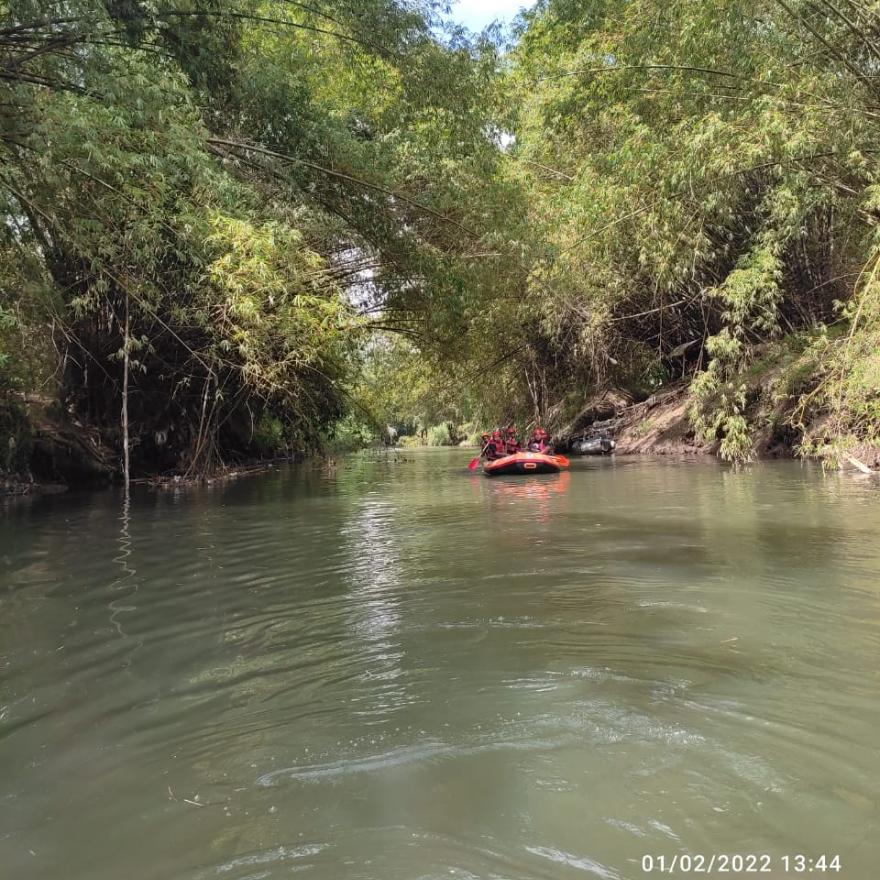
(285,221)
(703,179)
(212,197)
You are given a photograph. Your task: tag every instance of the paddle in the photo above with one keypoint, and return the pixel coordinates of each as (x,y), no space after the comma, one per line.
(475,461)
(561,460)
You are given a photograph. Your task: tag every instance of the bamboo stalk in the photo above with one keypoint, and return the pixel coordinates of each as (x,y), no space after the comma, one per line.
(126,469)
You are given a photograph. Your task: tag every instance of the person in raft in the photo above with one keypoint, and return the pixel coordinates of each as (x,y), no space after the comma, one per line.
(540,442)
(493,446)
(512,443)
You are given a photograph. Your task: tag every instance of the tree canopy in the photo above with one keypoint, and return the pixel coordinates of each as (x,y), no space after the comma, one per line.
(253,220)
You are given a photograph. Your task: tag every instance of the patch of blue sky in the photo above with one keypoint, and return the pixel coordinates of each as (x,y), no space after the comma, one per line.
(476,14)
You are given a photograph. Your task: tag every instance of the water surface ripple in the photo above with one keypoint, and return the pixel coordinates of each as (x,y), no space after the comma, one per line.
(392,669)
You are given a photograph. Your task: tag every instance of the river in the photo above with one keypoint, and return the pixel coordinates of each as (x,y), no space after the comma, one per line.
(389,668)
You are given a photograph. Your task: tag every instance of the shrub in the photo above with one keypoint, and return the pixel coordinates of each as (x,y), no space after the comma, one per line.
(16,438)
(348,434)
(442,435)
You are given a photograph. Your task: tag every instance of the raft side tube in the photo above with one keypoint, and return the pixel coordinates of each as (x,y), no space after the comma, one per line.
(524,463)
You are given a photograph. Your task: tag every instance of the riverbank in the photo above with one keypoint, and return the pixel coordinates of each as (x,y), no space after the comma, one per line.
(16,485)
(56,453)
(13,485)
(779,397)
(661,425)
(68,454)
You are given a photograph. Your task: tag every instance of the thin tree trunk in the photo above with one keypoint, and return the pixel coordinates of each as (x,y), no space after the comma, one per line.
(126,473)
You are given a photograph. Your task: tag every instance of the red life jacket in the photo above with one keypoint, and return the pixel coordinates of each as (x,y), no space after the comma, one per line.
(539,441)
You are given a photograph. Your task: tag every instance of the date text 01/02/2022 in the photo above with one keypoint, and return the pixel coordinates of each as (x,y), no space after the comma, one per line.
(750,863)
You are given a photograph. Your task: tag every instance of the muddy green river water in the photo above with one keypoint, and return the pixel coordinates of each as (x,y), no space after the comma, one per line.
(393,669)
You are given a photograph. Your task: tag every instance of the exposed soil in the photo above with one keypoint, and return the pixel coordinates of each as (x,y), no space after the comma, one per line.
(656,426)
(660,426)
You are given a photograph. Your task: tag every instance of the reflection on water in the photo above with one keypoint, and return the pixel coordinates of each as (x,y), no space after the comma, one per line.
(526,500)
(124,583)
(398,669)
(375,571)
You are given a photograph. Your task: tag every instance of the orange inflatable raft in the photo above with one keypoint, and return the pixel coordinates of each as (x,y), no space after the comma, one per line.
(525,463)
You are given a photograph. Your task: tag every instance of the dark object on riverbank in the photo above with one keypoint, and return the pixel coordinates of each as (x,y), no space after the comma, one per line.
(47,450)
(524,463)
(658,425)
(593,446)
(218,475)
(58,454)
(19,485)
